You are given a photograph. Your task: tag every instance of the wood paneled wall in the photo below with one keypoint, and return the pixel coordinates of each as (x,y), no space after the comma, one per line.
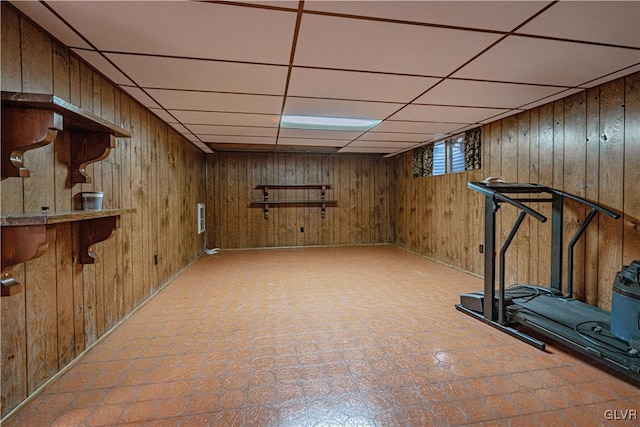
(587,144)
(436,216)
(358,183)
(64,307)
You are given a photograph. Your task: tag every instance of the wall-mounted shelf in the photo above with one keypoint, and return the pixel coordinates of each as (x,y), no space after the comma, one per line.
(20,244)
(266,202)
(53,217)
(32,120)
(24,237)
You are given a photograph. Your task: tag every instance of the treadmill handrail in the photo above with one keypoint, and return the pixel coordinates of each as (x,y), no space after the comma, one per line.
(537,215)
(592,205)
(499,196)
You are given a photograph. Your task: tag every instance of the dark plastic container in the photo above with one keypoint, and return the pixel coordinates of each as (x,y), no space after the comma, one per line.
(625,304)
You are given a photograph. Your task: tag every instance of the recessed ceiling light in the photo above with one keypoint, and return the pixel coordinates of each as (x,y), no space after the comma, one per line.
(335,123)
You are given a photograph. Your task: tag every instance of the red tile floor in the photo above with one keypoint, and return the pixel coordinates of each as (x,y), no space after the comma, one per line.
(349,336)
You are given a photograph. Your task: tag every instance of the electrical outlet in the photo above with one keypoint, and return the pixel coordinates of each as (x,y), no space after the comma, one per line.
(481,249)
(302,229)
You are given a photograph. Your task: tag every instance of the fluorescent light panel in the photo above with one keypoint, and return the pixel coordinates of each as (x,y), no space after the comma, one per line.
(318,122)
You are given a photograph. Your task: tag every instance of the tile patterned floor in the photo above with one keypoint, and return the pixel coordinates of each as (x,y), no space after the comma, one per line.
(350,336)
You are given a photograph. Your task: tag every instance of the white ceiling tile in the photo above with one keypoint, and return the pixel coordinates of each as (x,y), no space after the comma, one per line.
(230,139)
(98,62)
(475,125)
(625,72)
(367,150)
(166,117)
(550,99)
(382,144)
(426,128)
(491,15)
(547,62)
(202,147)
(611,22)
(219,94)
(382,46)
(500,116)
(184,28)
(191,137)
(43,17)
(181,129)
(485,94)
(290,4)
(357,85)
(313,142)
(339,108)
(232,119)
(233,130)
(437,113)
(215,101)
(395,137)
(191,74)
(140,96)
(320,134)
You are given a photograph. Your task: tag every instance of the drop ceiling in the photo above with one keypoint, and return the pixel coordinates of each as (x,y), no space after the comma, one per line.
(222,73)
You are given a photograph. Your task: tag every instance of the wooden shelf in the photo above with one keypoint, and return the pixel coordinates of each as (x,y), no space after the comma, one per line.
(25,237)
(261,186)
(32,120)
(76,118)
(294,202)
(51,217)
(265,202)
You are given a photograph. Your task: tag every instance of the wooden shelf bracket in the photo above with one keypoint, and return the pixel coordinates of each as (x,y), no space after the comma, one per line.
(87,148)
(92,232)
(40,127)
(27,236)
(20,244)
(31,120)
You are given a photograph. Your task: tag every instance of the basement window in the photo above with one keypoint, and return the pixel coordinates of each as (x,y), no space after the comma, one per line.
(448,156)
(457,154)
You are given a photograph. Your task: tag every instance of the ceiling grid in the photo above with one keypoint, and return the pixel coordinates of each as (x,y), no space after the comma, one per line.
(222,73)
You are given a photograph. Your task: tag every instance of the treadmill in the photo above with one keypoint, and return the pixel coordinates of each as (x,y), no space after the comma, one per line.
(545,310)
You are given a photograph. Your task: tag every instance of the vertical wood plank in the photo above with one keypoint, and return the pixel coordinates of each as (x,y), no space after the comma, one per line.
(345,194)
(12,196)
(354,188)
(11,66)
(86,87)
(509,213)
(14,347)
(153,204)
(575,157)
(327,171)
(534,169)
(523,239)
(611,178)
(127,190)
(42,342)
(313,175)
(592,172)
(75,84)
(61,72)
(545,177)
(300,213)
(631,219)
(37,59)
(66,329)
(242,202)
